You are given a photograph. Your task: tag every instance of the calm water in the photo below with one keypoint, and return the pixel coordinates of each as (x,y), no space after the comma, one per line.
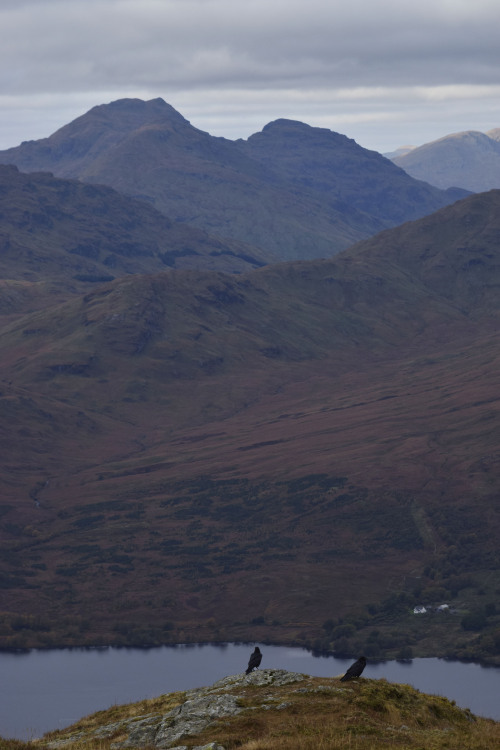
(44,690)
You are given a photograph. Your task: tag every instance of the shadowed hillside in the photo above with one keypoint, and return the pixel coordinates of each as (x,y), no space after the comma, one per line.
(349,177)
(62,231)
(302,453)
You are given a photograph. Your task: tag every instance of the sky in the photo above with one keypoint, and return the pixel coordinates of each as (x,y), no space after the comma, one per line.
(386,73)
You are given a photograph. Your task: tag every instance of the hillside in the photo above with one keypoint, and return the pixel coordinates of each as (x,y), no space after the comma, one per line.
(293,191)
(453,253)
(300,453)
(470,160)
(347,177)
(67,234)
(270,709)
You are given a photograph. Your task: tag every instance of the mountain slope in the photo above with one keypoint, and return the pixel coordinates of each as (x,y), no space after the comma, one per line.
(346,175)
(62,231)
(452,252)
(334,194)
(470,160)
(197,456)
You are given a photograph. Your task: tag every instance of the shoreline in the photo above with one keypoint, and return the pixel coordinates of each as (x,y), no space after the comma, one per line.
(486,664)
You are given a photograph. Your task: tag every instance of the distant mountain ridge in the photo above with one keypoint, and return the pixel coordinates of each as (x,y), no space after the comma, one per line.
(401,151)
(470,160)
(293,191)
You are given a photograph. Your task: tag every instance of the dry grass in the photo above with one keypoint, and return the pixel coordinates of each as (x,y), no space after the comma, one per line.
(161,704)
(369,715)
(15,745)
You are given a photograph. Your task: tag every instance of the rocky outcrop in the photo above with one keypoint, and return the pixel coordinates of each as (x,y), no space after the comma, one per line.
(260,708)
(198,709)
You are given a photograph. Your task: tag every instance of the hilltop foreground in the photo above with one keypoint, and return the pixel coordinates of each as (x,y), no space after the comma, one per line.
(271,709)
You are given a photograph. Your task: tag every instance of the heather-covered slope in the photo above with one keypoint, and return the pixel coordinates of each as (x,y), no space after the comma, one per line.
(454,252)
(293,191)
(199,456)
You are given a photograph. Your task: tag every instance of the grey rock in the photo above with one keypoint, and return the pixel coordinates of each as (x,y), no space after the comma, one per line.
(272,677)
(192,717)
(199,709)
(56,744)
(141,732)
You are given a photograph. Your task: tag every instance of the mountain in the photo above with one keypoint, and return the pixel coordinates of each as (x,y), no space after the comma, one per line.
(69,233)
(293,191)
(300,453)
(348,176)
(470,160)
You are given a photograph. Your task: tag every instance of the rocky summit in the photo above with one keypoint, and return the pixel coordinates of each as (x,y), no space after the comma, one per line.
(194,711)
(272,708)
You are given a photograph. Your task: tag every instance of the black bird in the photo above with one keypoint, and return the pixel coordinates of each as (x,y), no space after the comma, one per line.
(354,670)
(255,660)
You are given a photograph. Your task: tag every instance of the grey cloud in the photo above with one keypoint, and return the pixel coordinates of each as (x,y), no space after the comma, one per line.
(192,43)
(90,49)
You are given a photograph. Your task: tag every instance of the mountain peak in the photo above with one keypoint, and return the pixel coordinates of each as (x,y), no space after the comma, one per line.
(139,107)
(289,128)
(94,133)
(127,114)
(283,123)
(469,159)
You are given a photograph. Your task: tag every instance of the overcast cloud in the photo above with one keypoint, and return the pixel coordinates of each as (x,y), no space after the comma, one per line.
(386,73)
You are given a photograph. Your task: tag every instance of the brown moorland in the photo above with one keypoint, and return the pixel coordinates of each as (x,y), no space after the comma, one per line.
(299,454)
